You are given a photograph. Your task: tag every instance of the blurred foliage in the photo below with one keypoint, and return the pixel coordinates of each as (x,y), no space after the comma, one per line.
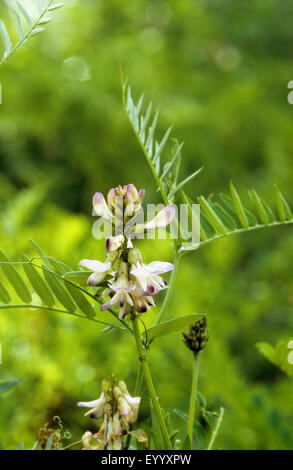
(218,71)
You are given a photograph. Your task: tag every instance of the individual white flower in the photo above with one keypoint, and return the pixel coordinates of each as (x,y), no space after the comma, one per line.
(129,205)
(134,405)
(99,269)
(126,404)
(162,219)
(100,437)
(100,207)
(113,243)
(120,294)
(147,276)
(112,194)
(116,425)
(141,301)
(97,406)
(127,407)
(114,432)
(86,441)
(123,407)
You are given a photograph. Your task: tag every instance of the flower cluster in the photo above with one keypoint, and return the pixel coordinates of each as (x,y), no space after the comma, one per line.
(121,203)
(118,409)
(131,283)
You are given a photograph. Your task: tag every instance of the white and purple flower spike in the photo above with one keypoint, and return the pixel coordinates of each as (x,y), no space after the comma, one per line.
(100,207)
(162,219)
(99,269)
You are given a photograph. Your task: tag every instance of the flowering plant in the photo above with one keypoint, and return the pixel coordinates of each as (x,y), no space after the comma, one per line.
(124,286)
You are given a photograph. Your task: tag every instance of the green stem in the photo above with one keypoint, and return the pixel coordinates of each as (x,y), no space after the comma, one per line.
(67,281)
(138,380)
(70,445)
(169,292)
(52,309)
(192,403)
(27,35)
(149,382)
(216,429)
(148,159)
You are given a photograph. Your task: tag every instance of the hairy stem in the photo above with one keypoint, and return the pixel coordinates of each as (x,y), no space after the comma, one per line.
(169,292)
(216,430)
(192,403)
(149,382)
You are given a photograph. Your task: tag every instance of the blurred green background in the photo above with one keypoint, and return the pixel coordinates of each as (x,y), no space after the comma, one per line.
(217,70)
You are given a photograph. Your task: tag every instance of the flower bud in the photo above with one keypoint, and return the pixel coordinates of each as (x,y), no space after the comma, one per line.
(129,206)
(141,194)
(112,194)
(133,191)
(117,429)
(113,243)
(117,392)
(134,256)
(197,337)
(100,207)
(121,191)
(108,409)
(122,386)
(106,386)
(123,406)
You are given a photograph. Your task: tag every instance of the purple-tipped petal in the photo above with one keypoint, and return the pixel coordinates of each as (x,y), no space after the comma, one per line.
(162,219)
(113,243)
(95,265)
(98,198)
(141,194)
(106,306)
(133,191)
(159,267)
(96,278)
(111,196)
(100,207)
(141,309)
(89,404)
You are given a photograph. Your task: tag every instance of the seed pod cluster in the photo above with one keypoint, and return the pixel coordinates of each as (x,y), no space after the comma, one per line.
(197,337)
